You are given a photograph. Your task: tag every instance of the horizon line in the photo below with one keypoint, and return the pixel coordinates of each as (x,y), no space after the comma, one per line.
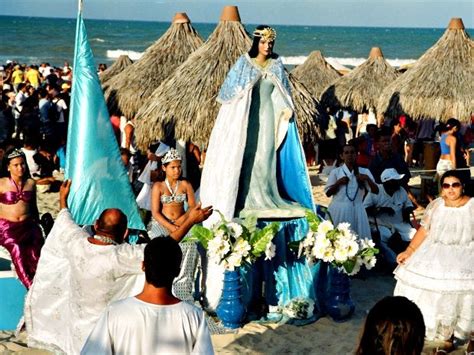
(206,23)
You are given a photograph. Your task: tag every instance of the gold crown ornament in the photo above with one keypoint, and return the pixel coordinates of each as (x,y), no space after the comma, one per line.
(268,34)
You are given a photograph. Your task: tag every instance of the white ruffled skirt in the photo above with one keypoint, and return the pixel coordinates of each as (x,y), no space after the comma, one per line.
(438,277)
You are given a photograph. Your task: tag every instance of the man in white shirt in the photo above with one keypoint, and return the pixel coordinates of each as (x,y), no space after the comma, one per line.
(392,208)
(154,321)
(146,177)
(78,275)
(20,99)
(61,105)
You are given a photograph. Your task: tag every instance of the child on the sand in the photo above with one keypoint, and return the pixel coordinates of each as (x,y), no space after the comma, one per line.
(169,196)
(168,199)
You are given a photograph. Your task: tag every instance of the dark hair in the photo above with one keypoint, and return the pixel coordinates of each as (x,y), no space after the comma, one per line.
(394,326)
(113,221)
(162,261)
(253,52)
(31,140)
(6,161)
(42,92)
(383,132)
(350,144)
(395,122)
(451,123)
(125,151)
(20,86)
(453,173)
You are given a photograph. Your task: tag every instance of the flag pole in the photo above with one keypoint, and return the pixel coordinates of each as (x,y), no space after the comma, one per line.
(74,75)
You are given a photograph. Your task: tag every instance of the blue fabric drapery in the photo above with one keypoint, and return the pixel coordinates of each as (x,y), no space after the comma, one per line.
(93,161)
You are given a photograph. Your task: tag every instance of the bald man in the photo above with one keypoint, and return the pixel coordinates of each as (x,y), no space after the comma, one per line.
(78,275)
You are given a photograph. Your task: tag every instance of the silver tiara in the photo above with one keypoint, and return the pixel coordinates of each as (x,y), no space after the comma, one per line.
(171,155)
(15,154)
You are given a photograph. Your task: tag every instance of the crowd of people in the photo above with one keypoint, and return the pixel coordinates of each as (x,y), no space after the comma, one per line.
(411,140)
(81,288)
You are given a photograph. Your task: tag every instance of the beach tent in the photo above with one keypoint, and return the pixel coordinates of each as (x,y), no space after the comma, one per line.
(440,85)
(315,73)
(185,106)
(127,91)
(361,88)
(119,65)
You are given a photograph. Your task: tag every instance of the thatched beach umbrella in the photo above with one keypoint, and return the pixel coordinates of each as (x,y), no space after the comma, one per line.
(185,104)
(127,91)
(361,88)
(307,111)
(440,84)
(119,65)
(316,74)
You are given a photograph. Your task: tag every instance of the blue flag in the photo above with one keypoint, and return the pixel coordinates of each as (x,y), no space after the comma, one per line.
(93,162)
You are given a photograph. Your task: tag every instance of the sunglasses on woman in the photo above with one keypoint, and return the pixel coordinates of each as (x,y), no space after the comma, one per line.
(454,185)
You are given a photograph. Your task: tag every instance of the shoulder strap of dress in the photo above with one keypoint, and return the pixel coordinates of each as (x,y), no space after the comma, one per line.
(15,185)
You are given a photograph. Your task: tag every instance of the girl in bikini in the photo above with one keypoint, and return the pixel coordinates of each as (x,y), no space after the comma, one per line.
(168,197)
(168,211)
(19,230)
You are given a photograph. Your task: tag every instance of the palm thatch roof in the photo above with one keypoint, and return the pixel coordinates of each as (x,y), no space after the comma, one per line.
(315,73)
(361,88)
(307,111)
(440,84)
(128,91)
(185,105)
(120,64)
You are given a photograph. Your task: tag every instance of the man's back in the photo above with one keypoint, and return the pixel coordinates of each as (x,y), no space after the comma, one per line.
(131,326)
(32,76)
(74,283)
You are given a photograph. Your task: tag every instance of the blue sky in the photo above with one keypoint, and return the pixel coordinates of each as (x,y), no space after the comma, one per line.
(389,13)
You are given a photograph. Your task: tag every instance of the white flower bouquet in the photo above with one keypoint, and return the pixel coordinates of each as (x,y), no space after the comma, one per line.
(299,308)
(338,246)
(234,243)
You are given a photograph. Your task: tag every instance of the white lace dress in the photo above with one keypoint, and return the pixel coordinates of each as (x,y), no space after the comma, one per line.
(439,276)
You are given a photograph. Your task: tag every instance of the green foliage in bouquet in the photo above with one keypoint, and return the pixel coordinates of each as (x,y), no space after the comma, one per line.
(231,243)
(338,245)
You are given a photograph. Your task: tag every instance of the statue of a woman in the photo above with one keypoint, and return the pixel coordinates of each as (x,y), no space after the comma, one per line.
(255,165)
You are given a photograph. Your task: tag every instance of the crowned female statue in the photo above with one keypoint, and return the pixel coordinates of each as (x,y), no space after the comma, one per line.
(255,163)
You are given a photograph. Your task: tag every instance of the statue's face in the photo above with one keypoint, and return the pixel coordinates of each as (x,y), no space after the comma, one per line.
(265,48)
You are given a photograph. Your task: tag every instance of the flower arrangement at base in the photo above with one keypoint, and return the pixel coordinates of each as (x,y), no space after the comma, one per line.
(299,308)
(336,245)
(233,243)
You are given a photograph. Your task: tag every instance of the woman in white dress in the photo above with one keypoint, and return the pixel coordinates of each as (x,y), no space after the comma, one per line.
(348,185)
(436,271)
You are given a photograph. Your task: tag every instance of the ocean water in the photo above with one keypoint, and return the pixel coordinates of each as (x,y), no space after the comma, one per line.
(35,40)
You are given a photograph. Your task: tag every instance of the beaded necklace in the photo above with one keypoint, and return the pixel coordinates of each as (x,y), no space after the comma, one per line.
(347,193)
(352,199)
(105,239)
(173,193)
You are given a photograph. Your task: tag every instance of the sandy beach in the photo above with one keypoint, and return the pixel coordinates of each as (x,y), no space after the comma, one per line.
(325,336)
